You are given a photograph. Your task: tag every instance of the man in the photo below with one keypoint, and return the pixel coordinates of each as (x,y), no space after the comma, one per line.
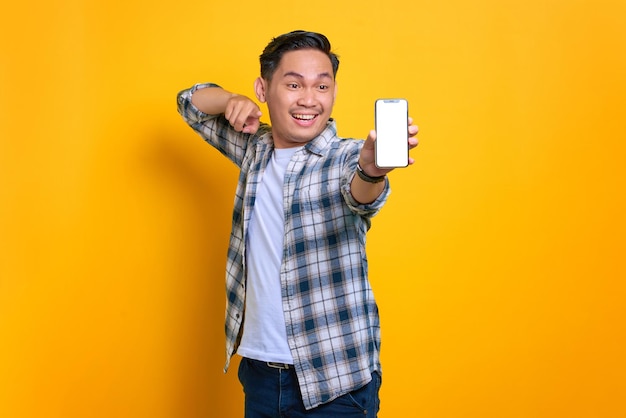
(300,309)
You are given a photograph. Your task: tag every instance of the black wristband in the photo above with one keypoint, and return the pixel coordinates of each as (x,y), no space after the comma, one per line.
(365,177)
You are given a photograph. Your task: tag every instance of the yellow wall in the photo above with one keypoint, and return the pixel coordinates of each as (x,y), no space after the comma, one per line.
(498,262)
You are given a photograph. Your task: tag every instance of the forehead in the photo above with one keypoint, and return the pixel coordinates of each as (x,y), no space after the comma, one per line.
(306,62)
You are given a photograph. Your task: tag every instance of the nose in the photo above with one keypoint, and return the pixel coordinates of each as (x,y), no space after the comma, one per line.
(307,97)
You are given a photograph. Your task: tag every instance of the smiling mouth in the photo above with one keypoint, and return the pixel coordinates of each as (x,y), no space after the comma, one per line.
(303,117)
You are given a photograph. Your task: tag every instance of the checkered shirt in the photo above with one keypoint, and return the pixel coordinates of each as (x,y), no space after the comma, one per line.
(331,316)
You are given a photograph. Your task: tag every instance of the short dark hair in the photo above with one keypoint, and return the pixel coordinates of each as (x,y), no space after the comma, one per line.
(292,41)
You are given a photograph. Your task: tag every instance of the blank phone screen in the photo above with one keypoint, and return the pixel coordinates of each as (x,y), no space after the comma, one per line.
(392,149)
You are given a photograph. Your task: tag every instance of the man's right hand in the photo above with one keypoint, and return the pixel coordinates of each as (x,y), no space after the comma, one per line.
(243,114)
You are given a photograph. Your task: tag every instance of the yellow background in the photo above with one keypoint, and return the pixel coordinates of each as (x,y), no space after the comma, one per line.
(498,262)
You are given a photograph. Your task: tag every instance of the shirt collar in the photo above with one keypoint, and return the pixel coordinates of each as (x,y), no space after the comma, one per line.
(318,144)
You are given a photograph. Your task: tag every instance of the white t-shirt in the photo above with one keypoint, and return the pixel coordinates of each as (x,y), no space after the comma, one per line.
(264,332)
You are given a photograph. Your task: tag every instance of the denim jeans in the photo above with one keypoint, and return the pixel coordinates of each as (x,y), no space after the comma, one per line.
(274,393)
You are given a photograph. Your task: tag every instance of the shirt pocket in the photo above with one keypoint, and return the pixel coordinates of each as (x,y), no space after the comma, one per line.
(317,206)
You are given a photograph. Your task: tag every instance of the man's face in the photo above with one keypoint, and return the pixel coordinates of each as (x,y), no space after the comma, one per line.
(300,97)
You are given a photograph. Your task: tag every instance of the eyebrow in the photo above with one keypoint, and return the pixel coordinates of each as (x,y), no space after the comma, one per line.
(298,75)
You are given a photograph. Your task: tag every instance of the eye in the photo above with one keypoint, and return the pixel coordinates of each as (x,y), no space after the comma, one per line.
(292,85)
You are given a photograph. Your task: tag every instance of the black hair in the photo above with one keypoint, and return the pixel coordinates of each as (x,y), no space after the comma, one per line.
(292,41)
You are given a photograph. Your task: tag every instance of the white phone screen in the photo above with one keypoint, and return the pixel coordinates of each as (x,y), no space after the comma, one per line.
(392,148)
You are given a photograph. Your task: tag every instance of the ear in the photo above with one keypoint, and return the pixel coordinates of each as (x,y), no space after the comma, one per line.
(260,86)
(335,92)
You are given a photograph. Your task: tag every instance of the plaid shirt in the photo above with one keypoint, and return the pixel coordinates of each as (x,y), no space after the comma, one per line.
(331,316)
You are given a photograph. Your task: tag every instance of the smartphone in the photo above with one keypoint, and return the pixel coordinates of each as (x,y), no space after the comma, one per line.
(392,133)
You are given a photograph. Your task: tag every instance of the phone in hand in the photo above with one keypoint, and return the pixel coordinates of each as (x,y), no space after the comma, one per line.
(392,133)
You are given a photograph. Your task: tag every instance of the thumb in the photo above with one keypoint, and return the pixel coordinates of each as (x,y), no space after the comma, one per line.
(252,124)
(371,138)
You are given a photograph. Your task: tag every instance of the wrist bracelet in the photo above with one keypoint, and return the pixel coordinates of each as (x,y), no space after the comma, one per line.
(366,178)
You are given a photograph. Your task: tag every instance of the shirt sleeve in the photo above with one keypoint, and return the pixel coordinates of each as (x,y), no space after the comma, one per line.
(214,129)
(367,210)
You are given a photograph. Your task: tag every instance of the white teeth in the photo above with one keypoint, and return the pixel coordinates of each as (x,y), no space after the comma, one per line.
(304,117)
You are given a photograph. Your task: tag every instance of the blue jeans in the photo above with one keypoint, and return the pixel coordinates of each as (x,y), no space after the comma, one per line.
(274,393)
